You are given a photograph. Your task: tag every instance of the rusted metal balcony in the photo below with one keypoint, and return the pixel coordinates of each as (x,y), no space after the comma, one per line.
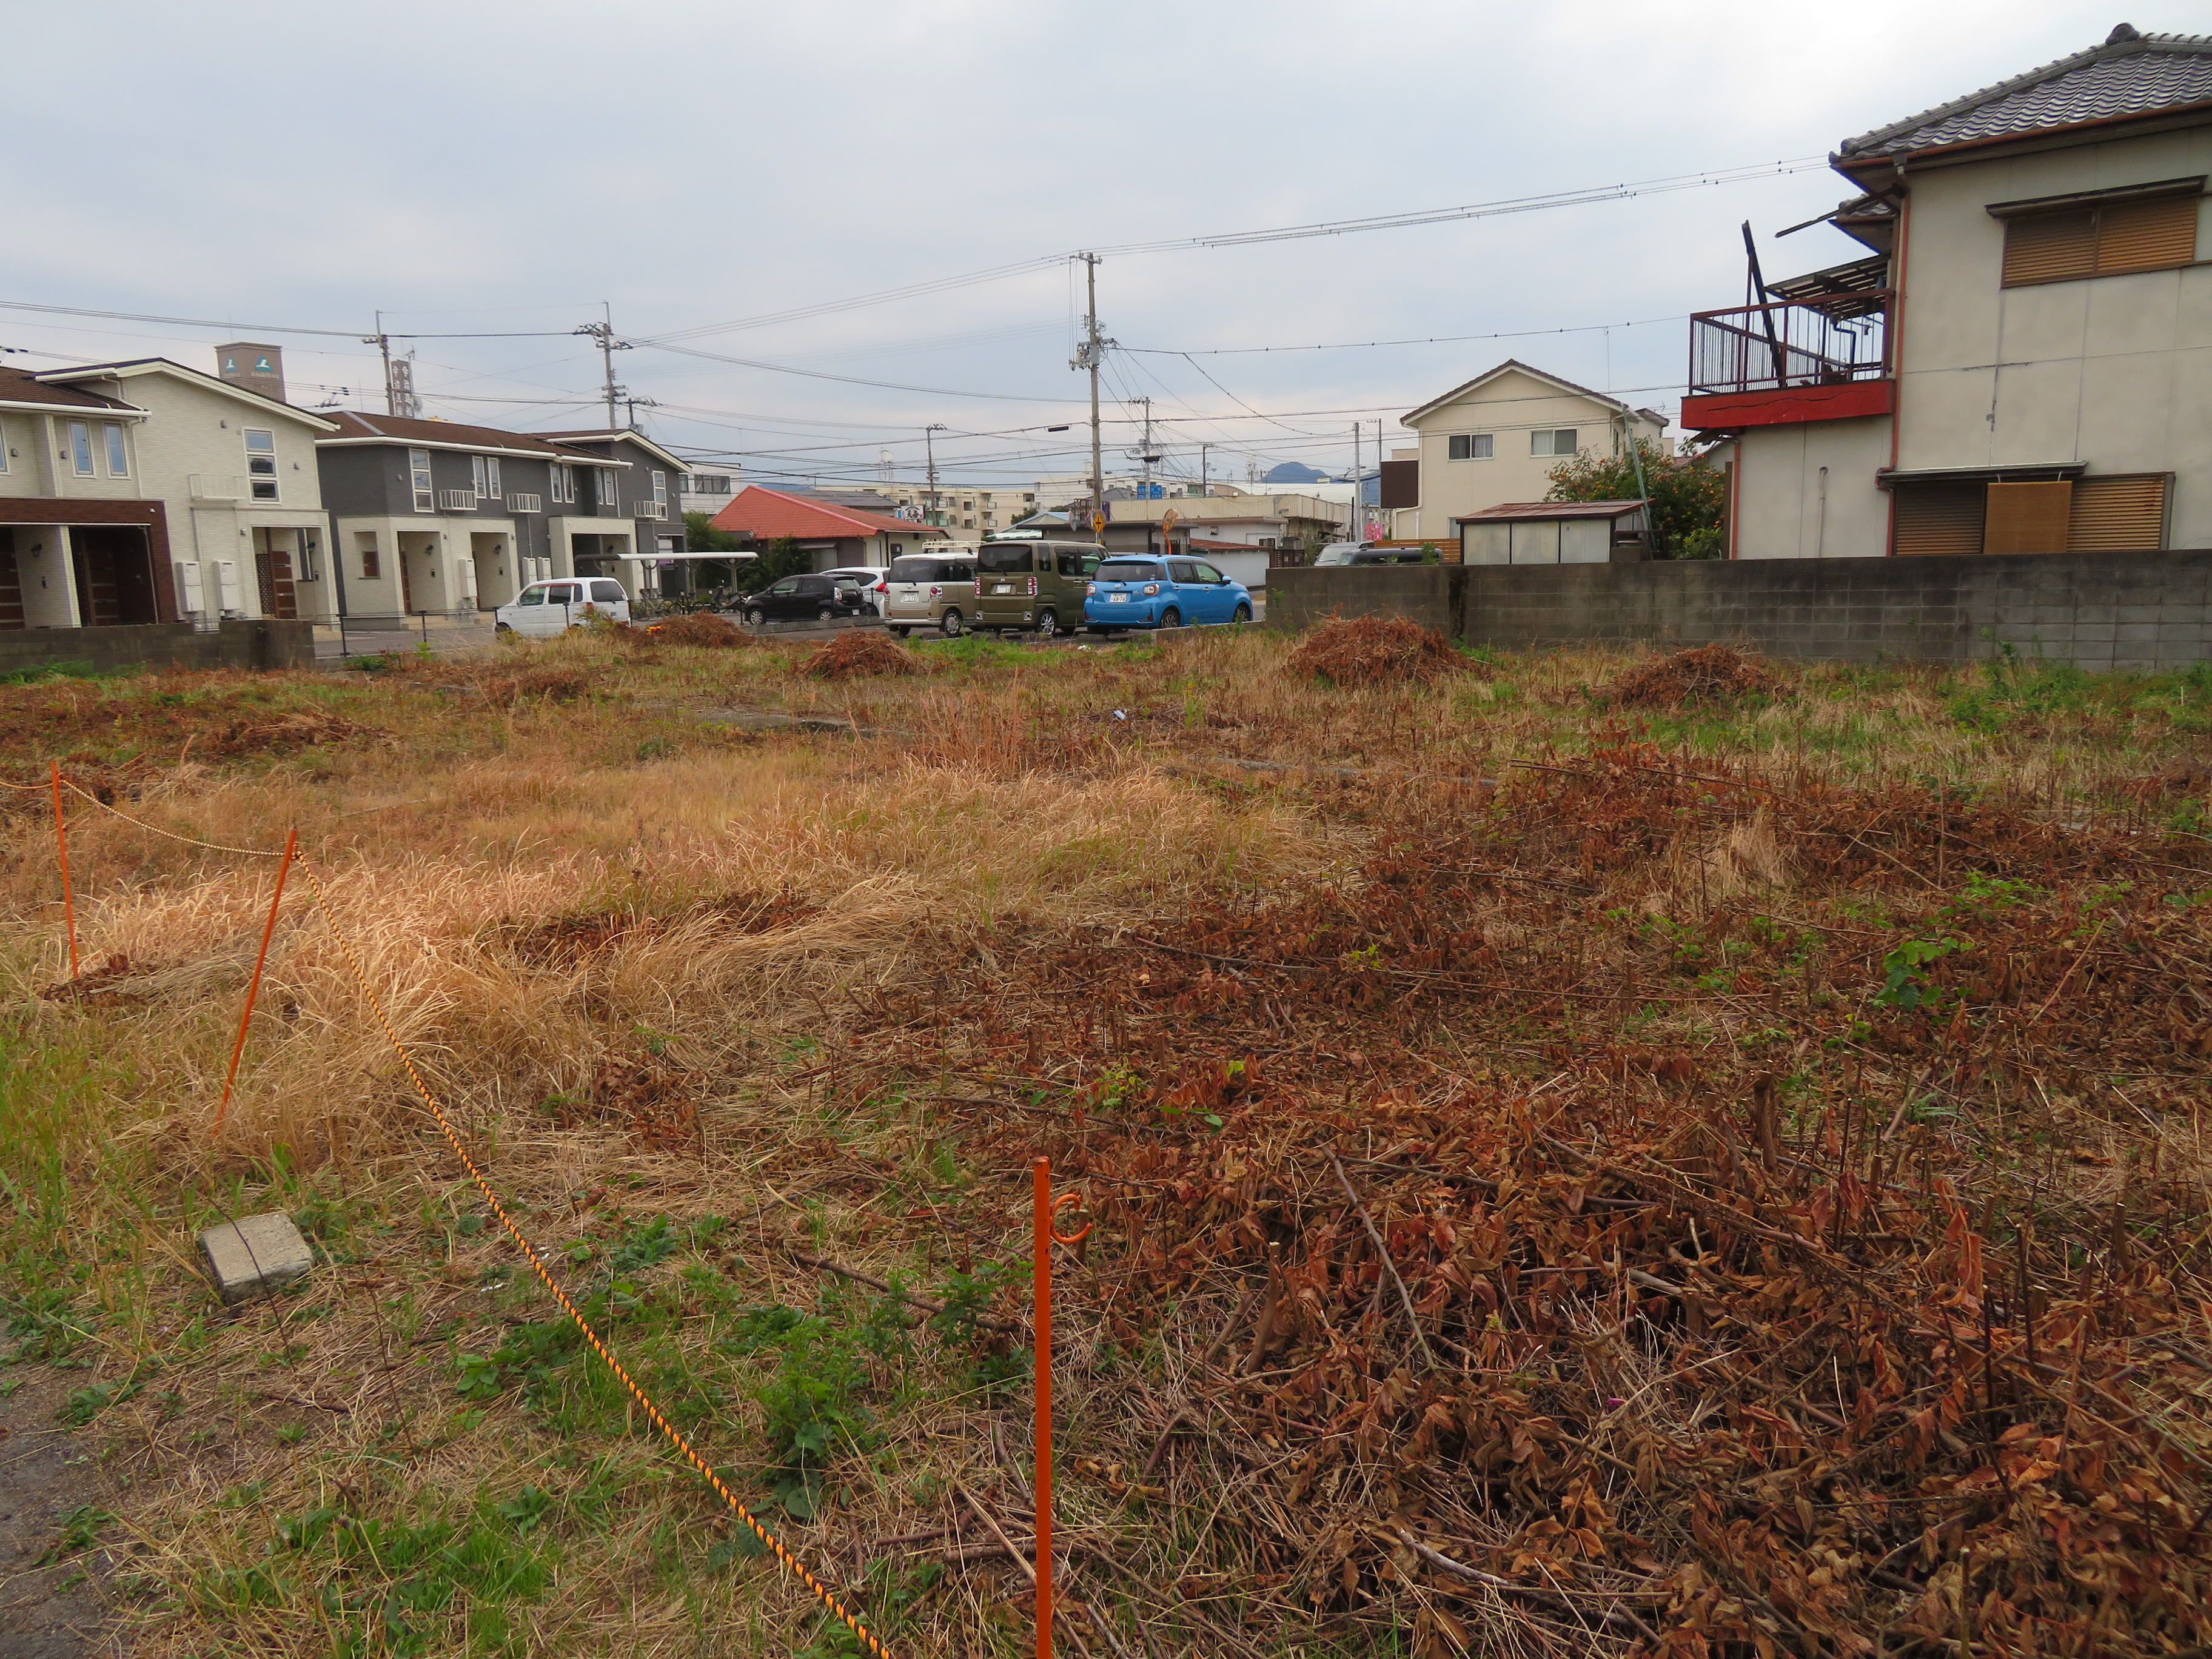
(1790,360)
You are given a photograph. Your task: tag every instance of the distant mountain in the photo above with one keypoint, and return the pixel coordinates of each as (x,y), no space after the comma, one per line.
(1293,472)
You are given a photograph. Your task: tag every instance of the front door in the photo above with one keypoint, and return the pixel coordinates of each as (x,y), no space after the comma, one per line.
(272,568)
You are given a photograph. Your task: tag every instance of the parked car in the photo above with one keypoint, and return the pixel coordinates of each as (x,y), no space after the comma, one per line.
(1367,553)
(1033,584)
(810,598)
(868,578)
(923,590)
(543,609)
(1143,590)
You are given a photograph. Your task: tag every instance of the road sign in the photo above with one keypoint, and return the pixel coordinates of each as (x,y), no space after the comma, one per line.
(1097,524)
(1168,520)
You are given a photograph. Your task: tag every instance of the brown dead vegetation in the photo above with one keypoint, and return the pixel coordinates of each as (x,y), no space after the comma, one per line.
(858,654)
(1358,651)
(1705,673)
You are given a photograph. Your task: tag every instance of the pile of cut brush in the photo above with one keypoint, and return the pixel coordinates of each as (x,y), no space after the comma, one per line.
(700,628)
(1704,673)
(1761,1288)
(858,654)
(1377,651)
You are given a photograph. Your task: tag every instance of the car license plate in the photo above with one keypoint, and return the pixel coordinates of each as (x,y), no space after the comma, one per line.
(1117,599)
(1004,587)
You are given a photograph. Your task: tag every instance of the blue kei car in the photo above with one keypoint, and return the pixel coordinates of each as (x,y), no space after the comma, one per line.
(1144,590)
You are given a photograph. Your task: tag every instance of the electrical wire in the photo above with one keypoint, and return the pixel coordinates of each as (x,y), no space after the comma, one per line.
(268,328)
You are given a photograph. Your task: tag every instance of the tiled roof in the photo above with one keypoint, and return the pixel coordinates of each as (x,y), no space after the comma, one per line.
(20,386)
(770,513)
(1551,510)
(2131,73)
(401,429)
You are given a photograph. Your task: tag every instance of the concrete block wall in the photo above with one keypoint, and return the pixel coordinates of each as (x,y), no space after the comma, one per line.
(259,644)
(2136,610)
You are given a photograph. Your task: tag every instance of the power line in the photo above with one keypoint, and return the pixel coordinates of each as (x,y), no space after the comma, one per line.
(1433,339)
(265,328)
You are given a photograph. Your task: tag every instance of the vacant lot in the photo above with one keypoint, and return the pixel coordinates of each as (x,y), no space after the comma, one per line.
(1713,1167)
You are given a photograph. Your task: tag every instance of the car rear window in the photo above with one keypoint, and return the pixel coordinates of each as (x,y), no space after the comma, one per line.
(1128,570)
(1004,561)
(608,594)
(917,570)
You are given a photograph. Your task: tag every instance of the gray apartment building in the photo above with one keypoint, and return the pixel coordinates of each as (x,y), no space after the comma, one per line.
(438,516)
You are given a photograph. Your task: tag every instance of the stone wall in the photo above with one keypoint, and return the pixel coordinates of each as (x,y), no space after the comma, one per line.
(263,644)
(2135,611)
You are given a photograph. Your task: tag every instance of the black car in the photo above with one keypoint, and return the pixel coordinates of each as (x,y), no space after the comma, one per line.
(810,598)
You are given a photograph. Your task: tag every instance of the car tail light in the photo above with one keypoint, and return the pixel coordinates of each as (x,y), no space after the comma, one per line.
(1033,587)
(1152,587)
(935,592)
(883,587)
(1089,588)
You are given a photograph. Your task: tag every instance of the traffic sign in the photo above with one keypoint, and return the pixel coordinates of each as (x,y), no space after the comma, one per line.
(1097,524)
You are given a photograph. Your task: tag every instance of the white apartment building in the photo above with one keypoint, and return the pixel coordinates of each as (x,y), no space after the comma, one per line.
(145,491)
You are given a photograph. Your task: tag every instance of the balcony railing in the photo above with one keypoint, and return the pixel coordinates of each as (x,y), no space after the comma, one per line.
(1772,348)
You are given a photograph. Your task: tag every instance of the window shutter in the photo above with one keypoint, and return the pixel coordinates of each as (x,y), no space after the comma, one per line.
(2118,514)
(2026,518)
(2154,235)
(1939,518)
(2050,247)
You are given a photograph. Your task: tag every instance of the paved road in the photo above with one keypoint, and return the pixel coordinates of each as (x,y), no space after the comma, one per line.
(43,1475)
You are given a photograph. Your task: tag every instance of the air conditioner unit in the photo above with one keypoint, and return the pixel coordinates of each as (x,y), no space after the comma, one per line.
(225,595)
(457,501)
(192,599)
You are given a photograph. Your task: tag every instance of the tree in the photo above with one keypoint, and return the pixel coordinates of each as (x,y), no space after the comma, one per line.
(700,536)
(1689,497)
(783,558)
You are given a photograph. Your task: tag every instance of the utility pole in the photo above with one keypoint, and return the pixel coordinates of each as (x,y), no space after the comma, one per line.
(1089,356)
(929,447)
(604,332)
(1202,488)
(1148,454)
(382,341)
(1358,509)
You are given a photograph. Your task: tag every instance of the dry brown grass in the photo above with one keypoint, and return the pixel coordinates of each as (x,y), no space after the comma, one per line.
(821,987)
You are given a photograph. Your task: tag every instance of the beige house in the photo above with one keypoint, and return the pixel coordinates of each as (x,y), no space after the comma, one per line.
(145,491)
(1496,440)
(2022,362)
(982,508)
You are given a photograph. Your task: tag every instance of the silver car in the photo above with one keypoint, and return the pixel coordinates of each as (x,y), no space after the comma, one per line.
(930,590)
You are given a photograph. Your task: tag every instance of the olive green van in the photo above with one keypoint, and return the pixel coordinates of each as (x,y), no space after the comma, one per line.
(1033,585)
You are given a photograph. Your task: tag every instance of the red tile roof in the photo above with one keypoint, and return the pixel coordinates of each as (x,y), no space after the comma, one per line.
(770,514)
(19,386)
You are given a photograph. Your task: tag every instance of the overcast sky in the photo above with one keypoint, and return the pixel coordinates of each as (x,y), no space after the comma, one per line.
(476,167)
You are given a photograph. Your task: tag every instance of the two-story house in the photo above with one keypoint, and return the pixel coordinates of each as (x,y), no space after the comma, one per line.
(648,493)
(2023,361)
(438,516)
(1496,440)
(146,491)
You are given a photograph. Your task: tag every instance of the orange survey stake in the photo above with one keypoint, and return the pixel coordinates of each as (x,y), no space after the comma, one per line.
(1047,1210)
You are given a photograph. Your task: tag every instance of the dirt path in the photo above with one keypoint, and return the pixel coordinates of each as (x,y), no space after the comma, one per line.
(45,1612)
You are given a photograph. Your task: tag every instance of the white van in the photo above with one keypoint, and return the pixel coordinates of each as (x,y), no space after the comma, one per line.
(543,609)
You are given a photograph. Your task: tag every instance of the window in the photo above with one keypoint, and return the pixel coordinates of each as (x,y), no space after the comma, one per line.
(80,437)
(476,475)
(2101,238)
(119,456)
(564,482)
(606,593)
(418,472)
(364,543)
(491,476)
(1206,572)
(1470,446)
(660,494)
(261,464)
(1563,441)
(532,596)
